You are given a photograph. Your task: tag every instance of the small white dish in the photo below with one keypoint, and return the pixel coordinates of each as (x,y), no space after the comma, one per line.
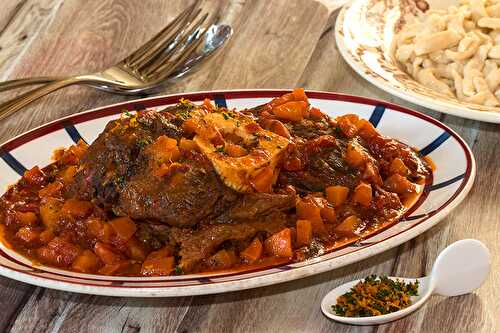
(364,33)
(459,269)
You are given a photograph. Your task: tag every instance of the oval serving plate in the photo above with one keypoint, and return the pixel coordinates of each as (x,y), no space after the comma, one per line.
(451,182)
(364,33)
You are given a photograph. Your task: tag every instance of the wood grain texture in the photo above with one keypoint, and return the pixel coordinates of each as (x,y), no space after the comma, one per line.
(277,44)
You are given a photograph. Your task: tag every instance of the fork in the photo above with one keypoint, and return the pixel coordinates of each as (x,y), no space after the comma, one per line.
(144,69)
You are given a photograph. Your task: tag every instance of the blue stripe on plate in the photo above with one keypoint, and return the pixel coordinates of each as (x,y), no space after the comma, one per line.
(220,100)
(204,280)
(284,268)
(377,115)
(447,182)
(434,144)
(12,162)
(414,217)
(73,133)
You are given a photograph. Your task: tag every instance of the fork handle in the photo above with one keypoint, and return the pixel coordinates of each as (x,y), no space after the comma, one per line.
(21,101)
(17,83)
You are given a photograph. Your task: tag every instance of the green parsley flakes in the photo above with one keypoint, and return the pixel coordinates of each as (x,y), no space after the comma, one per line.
(375,296)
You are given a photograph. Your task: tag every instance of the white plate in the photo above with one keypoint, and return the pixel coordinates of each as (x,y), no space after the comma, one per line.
(451,182)
(364,33)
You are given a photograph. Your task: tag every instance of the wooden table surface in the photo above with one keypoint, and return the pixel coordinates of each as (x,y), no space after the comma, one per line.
(277,44)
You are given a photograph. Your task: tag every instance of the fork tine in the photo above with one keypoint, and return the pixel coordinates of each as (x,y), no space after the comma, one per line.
(186,38)
(168,66)
(169,32)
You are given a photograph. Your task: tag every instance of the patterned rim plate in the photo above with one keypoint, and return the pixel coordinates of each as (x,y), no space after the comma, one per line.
(364,32)
(451,182)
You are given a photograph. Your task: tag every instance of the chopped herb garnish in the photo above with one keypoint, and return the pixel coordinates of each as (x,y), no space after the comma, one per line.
(238,123)
(184,114)
(375,296)
(220,149)
(178,270)
(120,181)
(144,142)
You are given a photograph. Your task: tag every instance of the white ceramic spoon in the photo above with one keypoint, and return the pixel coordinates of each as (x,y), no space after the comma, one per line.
(459,269)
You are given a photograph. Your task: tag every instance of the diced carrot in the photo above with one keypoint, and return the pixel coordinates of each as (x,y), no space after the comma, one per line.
(187,144)
(363,194)
(76,208)
(124,227)
(292,111)
(308,210)
(86,262)
(50,211)
(67,175)
(328,214)
(253,252)
(354,155)
(304,233)
(164,149)
(136,250)
(347,124)
(280,244)
(34,176)
(348,225)
(207,104)
(158,263)
(316,113)
(234,150)
(51,190)
(263,181)
(162,170)
(28,235)
(107,254)
(100,230)
(299,94)
(223,259)
(399,184)
(190,125)
(337,194)
(27,218)
(398,166)
(282,100)
(365,129)
(46,236)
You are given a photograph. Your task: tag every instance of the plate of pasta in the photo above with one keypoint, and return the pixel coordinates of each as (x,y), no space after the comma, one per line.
(440,54)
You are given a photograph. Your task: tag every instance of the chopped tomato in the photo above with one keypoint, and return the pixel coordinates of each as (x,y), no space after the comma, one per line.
(304,233)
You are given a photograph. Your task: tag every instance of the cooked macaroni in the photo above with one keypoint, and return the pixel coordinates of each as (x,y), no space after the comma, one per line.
(456,51)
